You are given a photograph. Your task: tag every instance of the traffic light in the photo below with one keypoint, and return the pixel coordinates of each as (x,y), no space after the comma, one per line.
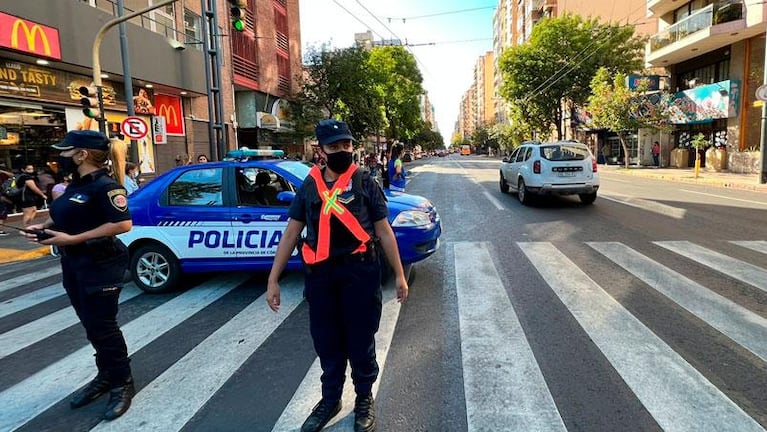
(90,101)
(238,13)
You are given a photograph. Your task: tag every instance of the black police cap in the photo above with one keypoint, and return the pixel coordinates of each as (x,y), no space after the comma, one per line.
(84,139)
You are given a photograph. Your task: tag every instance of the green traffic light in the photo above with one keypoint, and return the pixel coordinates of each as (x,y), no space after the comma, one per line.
(238,25)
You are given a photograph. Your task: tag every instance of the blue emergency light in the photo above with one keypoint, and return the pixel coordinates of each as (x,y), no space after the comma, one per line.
(245,153)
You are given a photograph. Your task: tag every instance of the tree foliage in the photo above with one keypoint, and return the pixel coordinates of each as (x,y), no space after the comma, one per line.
(428,139)
(399,82)
(558,64)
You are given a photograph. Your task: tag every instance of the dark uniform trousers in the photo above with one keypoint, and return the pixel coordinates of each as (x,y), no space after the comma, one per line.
(90,286)
(344,297)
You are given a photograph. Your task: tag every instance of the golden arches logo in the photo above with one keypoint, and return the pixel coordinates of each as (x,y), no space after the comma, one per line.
(169,112)
(30,35)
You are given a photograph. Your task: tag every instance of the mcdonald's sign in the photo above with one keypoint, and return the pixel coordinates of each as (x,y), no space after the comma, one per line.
(170,107)
(29,37)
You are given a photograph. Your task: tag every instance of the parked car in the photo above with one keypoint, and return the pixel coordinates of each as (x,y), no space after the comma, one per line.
(552,168)
(230,215)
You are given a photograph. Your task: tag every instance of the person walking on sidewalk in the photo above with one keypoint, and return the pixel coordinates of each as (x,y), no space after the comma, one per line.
(83,223)
(656,154)
(31,195)
(345,215)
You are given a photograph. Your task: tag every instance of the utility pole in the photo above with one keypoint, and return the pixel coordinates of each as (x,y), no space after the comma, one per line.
(97,60)
(127,77)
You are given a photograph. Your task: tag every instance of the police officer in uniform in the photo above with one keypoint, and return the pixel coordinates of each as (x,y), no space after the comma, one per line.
(83,224)
(345,214)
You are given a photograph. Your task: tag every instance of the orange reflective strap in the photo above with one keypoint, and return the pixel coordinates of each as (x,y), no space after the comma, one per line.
(331,206)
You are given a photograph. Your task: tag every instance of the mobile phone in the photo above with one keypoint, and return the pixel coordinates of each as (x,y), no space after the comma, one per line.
(40,234)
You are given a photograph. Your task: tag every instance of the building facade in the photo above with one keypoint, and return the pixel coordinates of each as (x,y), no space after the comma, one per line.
(45,56)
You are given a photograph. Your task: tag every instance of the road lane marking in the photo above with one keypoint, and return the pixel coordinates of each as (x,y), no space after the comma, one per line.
(652,206)
(724,197)
(309,392)
(736,322)
(158,407)
(494,200)
(503,385)
(31,397)
(35,331)
(759,246)
(16,304)
(678,396)
(30,277)
(734,268)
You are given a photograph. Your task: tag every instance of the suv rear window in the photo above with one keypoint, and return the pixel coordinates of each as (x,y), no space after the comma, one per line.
(564,152)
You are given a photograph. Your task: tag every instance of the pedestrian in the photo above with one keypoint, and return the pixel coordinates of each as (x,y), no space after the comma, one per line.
(396,170)
(131,177)
(83,223)
(656,154)
(345,215)
(202,159)
(31,195)
(59,188)
(6,203)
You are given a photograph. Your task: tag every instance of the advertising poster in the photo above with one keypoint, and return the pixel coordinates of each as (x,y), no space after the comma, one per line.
(76,120)
(170,108)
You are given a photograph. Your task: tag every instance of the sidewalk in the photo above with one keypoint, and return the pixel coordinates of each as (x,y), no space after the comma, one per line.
(15,247)
(687,175)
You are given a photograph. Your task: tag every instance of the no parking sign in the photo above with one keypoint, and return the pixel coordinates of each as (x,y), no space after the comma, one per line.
(134,127)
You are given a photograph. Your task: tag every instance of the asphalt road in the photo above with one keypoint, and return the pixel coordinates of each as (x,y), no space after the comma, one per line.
(636,313)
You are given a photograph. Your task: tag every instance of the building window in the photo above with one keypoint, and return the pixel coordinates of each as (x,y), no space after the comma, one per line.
(192,29)
(163,20)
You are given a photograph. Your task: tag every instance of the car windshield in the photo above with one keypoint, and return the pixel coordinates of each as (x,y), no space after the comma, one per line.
(297,168)
(564,152)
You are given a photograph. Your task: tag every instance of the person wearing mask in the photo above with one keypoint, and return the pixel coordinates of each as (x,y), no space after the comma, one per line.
(396,170)
(131,177)
(31,195)
(202,159)
(83,223)
(345,215)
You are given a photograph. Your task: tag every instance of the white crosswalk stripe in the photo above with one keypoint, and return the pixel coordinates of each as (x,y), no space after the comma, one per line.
(505,385)
(18,281)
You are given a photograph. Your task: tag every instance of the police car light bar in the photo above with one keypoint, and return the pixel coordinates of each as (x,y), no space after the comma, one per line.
(245,153)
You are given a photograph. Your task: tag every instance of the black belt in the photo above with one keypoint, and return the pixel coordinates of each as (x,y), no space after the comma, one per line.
(79,249)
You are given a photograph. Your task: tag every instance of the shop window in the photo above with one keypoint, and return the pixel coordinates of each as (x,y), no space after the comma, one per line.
(27,133)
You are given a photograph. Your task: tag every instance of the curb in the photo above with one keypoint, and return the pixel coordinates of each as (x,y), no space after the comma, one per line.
(701,180)
(11,255)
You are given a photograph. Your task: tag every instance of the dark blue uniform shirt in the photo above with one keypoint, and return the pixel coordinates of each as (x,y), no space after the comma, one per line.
(365,200)
(89,202)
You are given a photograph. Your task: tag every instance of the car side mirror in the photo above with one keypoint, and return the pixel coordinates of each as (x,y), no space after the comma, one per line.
(506,160)
(286,196)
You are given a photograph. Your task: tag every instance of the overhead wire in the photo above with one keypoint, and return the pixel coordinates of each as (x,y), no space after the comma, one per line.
(440,13)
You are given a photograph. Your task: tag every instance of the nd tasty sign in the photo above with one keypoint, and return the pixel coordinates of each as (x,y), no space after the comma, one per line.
(29,37)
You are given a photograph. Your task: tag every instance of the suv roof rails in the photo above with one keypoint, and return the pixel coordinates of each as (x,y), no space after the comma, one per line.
(243,154)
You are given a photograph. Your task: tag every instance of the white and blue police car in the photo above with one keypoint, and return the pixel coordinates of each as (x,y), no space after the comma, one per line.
(230,216)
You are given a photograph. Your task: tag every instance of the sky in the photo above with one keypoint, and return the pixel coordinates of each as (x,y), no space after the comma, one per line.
(447,66)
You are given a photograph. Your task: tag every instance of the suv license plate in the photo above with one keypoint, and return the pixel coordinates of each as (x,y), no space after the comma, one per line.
(566,174)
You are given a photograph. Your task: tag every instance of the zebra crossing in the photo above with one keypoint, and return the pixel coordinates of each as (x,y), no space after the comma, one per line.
(504,386)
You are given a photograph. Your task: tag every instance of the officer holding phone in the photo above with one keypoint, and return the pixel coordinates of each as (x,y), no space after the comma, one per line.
(83,224)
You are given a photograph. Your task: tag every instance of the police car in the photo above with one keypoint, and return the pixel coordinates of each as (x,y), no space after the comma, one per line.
(230,216)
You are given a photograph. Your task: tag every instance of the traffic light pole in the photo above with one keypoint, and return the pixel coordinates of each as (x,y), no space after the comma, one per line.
(97,61)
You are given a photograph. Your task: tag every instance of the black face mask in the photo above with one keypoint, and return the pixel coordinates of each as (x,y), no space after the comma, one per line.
(340,161)
(67,165)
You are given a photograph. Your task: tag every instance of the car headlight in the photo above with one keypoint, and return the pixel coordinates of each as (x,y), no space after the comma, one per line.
(411,218)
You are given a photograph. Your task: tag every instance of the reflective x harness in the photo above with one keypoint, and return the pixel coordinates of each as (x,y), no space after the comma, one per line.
(332,207)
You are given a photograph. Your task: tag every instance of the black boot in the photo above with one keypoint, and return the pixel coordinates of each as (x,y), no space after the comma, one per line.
(119,400)
(364,414)
(91,392)
(321,415)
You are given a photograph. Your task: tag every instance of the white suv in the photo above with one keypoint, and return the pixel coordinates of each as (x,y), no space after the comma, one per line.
(552,168)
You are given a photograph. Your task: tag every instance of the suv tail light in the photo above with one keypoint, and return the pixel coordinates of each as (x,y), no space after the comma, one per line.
(537,167)
(593,165)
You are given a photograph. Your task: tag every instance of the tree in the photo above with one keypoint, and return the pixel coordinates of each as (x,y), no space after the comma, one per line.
(398,81)
(558,64)
(616,107)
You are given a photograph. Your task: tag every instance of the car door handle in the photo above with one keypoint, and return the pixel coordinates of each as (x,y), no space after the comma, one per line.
(244,218)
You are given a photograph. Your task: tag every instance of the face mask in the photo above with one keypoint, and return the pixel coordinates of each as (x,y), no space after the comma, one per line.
(67,164)
(340,161)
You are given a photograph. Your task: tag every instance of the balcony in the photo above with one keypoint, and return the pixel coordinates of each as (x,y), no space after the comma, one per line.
(712,27)
(661,7)
(549,5)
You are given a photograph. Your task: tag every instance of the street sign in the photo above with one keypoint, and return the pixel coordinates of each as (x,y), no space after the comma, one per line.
(761,93)
(134,127)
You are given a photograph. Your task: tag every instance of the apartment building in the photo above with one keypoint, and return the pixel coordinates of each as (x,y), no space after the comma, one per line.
(45,56)
(714,52)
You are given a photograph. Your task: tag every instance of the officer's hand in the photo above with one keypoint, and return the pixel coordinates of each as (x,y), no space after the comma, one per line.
(273,296)
(402,289)
(58,238)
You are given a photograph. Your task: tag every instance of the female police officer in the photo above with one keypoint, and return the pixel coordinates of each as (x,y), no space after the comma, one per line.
(344,210)
(83,223)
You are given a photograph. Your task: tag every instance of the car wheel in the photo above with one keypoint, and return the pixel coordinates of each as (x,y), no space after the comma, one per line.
(504,185)
(155,269)
(588,198)
(522,193)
